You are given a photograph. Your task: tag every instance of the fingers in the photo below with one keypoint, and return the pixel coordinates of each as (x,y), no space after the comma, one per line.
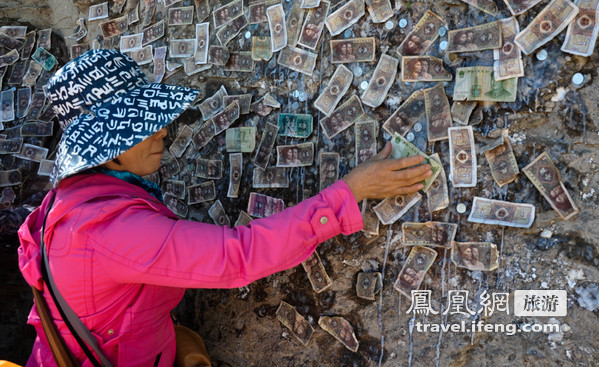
(413,174)
(384,153)
(397,164)
(409,189)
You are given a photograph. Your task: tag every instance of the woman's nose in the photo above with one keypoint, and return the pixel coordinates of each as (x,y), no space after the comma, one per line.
(161,134)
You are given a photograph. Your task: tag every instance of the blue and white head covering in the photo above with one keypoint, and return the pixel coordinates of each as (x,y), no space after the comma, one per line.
(106,105)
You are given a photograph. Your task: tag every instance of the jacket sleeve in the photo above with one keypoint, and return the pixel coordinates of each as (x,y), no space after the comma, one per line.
(139,245)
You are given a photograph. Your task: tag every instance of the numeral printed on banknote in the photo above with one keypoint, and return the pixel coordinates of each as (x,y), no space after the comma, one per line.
(502,213)
(462,156)
(335,90)
(420,39)
(353,50)
(480,37)
(381,81)
(414,269)
(341,329)
(546,25)
(342,118)
(269,137)
(582,32)
(482,256)
(508,59)
(296,323)
(547,179)
(432,234)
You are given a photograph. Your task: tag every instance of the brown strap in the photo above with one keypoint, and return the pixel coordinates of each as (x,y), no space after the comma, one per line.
(62,354)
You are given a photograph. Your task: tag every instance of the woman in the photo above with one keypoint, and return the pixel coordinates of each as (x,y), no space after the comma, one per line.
(120,258)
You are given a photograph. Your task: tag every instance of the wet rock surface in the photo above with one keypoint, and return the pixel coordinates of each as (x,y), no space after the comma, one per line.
(551,114)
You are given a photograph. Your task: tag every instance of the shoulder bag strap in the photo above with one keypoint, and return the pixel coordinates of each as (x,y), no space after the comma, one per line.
(74,323)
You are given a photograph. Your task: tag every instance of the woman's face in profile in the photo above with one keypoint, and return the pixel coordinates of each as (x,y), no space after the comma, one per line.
(144,158)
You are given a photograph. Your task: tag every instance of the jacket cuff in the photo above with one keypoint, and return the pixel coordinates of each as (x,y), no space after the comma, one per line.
(341,216)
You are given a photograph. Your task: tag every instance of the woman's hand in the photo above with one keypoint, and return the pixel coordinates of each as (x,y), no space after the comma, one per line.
(380,177)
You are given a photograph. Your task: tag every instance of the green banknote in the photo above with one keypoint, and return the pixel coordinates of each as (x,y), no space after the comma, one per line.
(401,148)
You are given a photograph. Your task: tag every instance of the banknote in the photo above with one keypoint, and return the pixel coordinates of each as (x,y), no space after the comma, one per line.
(133,16)
(269,137)
(181,142)
(190,67)
(261,107)
(262,206)
(278,29)
(308,4)
(226,117)
(295,125)
(402,120)
(243,219)
(147,12)
(175,205)
(240,62)
(7,101)
(501,213)
(32,153)
(545,176)
(313,25)
(546,25)
(45,76)
(235,172)
(27,49)
(402,148)
(582,32)
(181,48)
(201,193)
(15,31)
(423,69)
(296,323)
(462,156)
(438,113)
(131,42)
(482,256)
(502,161)
(366,133)
(44,38)
(316,273)
(10,178)
(214,104)
(143,56)
(298,60)
(10,146)
(368,284)
(118,6)
(218,214)
(2,73)
(270,178)
(226,13)
(424,34)
(257,11)
(202,9)
(380,10)
(344,17)
(180,16)
(175,187)
(114,27)
(520,6)
(341,329)
(153,33)
(329,169)
(293,22)
(209,168)
(241,139)
(477,83)
(168,169)
(37,128)
(488,6)
(45,168)
(33,72)
(159,63)
(38,99)
(353,50)
(261,48)
(342,117)
(44,58)
(23,101)
(244,101)
(10,43)
(369,218)
(18,72)
(461,112)
(414,269)
(391,209)
(431,234)
(226,33)
(480,37)
(9,58)
(381,81)
(202,43)
(335,90)
(99,11)
(218,55)
(297,155)
(438,193)
(508,59)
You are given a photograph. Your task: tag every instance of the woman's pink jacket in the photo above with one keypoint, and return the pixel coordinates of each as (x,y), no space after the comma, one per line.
(122,260)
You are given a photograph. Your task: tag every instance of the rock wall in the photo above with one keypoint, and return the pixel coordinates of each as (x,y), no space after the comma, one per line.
(551,114)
